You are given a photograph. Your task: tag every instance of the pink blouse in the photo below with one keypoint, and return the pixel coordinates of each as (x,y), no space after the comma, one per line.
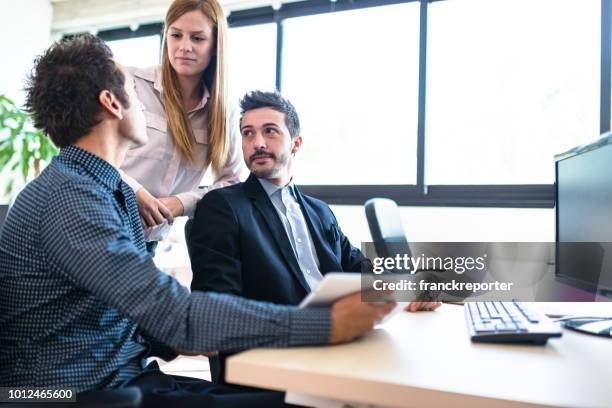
(158,166)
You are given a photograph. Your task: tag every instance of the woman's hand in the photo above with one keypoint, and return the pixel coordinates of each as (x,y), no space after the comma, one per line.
(174,205)
(152,211)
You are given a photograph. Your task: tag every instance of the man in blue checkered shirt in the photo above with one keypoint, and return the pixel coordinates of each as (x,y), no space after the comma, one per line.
(82,304)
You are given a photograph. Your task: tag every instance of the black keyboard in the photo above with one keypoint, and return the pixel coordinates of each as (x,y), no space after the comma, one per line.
(508,322)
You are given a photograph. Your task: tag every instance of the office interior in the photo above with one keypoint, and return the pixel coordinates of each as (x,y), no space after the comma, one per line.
(457,153)
(455,109)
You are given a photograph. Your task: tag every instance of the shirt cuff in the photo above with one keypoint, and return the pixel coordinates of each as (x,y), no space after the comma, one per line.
(309,326)
(190,199)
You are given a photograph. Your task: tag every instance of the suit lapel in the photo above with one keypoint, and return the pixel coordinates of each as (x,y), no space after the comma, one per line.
(327,260)
(262,203)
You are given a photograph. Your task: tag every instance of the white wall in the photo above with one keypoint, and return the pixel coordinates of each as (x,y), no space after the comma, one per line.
(457,224)
(25,30)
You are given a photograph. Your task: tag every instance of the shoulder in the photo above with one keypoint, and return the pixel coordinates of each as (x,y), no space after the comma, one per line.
(147,74)
(64,195)
(79,195)
(60,179)
(146,80)
(148,89)
(228,196)
(220,206)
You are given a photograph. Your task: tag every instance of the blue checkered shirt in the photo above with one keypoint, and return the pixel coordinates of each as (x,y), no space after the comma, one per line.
(82,304)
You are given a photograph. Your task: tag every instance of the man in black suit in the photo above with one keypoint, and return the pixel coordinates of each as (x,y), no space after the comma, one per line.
(263,239)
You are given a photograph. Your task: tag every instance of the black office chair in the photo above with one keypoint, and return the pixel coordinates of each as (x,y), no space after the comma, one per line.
(386,227)
(389,239)
(388,236)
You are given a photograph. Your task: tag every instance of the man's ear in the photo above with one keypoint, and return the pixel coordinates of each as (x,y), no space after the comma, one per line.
(111,105)
(297,143)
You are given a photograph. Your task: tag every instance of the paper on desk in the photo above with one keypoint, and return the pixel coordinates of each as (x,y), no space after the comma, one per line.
(158,232)
(556,309)
(398,309)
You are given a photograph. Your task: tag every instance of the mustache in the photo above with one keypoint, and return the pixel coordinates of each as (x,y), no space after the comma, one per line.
(261,154)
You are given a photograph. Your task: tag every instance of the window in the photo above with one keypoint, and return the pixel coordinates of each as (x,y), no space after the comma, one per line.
(252,59)
(138,51)
(467,109)
(509,84)
(353,78)
(251,65)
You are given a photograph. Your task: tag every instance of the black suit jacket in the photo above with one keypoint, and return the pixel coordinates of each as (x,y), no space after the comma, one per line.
(238,245)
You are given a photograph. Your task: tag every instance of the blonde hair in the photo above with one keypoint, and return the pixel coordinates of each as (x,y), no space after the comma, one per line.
(214,77)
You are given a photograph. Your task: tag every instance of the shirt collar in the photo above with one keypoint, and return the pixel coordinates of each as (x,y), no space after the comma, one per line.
(97,167)
(271,188)
(153,74)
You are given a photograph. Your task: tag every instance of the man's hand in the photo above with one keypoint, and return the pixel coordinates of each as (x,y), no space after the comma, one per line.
(152,211)
(174,205)
(416,306)
(352,318)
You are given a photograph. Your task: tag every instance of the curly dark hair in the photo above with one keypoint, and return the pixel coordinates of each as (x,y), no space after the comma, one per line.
(63,88)
(273,100)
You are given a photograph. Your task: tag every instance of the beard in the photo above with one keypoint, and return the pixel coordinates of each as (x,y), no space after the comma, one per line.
(279,163)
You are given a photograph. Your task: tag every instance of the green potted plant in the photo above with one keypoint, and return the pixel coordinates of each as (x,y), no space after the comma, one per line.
(24,150)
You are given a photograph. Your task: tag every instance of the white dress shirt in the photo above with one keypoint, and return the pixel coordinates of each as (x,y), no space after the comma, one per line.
(292,218)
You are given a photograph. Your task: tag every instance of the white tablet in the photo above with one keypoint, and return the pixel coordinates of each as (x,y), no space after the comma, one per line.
(334,286)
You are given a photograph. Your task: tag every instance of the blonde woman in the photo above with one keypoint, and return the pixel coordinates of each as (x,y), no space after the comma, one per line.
(188,122)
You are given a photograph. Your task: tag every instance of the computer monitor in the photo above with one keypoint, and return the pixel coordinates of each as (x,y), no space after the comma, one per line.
(584,224)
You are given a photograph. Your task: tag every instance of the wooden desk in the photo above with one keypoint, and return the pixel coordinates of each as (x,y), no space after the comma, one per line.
(426,359)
